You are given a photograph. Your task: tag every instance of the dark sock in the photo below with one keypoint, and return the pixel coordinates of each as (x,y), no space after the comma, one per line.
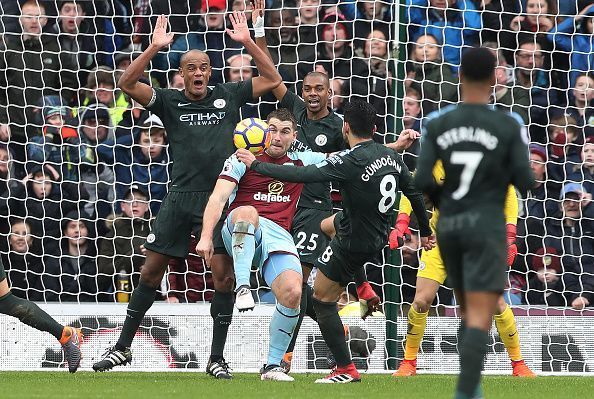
(221,310)
(333,331)
(305,299)
(310,311)
(461,333)
(30,314)
(472,356)
(141,300)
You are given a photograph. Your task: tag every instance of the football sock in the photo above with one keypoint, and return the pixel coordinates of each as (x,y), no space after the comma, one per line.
(141,300)
(417,322)
(243,247)
(472,356)
(282,329)
(360,277)
(310,311)
(221,310)
(333,331)
(30,314)
(306,297)
(508,332)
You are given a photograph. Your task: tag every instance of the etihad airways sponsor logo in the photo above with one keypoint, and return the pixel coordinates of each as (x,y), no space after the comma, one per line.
(202,119)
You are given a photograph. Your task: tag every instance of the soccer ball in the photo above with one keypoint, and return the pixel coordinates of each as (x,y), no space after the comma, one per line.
(252,134)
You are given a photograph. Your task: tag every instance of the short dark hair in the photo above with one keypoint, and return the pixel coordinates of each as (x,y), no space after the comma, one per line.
(320,75)
(283,114)
(478,64)
(360,115)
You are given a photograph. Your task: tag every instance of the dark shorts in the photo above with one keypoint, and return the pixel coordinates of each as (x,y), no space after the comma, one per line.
(341,265)
(474,262)
(180,215)
(2,271)
(308,237)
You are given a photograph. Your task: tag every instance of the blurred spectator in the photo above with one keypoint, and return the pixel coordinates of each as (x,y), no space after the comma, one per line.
(6,182)
(566,147)
(79,39)
(144,162)
(30,68)
(375,53)
(438,85)
(239,68)
(411,104)
(189,280)
(43,201)
(309,18)
(497,16)
(572,237)
(583,173)
(337,99)
(545,282)
(121,250)
(101,88)
(176,81)
(294,58)
(96,173)
(455,23)
(538,18)
(131,119)
(210,38)
(335,55)
(23,263)
(78,262)
(581,105)
(184,17)
(372,15)
(575,36)
(508,96)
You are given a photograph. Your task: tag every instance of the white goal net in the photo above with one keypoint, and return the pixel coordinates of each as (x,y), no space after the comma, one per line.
(73,148)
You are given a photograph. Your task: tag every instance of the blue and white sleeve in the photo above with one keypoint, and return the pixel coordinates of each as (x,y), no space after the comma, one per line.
(233,169)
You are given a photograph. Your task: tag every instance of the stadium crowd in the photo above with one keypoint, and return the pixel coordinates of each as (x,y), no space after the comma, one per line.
(83,168)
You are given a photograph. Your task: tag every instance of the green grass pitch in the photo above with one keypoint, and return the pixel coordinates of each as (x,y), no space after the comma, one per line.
(120,385)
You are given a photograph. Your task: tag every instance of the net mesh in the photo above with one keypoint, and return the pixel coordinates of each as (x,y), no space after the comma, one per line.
(71,150)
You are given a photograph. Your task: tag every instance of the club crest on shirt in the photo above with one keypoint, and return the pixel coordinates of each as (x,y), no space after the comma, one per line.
(220,103)
(321,139)
(150,238)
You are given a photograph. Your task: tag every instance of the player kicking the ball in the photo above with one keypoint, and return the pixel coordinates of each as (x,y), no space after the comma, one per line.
(432,274)
(370,175)
(29,313)
(257,231)
(482,152)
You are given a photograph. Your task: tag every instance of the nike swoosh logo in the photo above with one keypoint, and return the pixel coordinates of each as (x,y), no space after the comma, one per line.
(183,104)
(224,315)
(288,333)
(511,335)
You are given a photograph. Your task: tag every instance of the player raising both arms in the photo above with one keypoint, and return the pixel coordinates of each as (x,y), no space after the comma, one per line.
(29,313)
(370,176)
(200,122)
(257,230)
(432,274)
(482,152)
(320,130)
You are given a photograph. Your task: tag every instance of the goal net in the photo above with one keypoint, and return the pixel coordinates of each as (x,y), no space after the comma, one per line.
(81,180)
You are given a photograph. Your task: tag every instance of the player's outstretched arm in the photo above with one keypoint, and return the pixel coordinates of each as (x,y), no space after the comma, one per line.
(258,16)
(406,138)
(269,77)
(128,82)
(417,202)
(212,213)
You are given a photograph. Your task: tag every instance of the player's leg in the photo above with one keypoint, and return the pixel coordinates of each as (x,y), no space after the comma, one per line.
(326,294)
(221,311)
(508,332)
(430,276)
(32,315)
(282,272)
(243,224)
(310,242)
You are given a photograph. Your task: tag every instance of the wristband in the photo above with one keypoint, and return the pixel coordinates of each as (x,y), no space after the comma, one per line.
(259,27)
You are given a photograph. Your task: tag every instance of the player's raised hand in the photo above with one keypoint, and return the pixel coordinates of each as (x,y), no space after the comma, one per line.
(161,38)
(245,156)
(205,250)
(257,12)
(240,32)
